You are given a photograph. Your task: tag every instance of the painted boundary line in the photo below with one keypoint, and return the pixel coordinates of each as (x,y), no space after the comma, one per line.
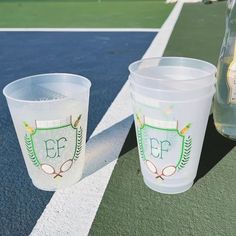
(80,29)
(71,211)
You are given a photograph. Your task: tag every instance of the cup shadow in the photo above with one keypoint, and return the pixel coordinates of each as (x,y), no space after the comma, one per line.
(107,146)
(215,147)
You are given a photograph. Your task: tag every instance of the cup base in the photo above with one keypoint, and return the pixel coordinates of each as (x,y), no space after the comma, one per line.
(168,189)
(53,189)
(44,189)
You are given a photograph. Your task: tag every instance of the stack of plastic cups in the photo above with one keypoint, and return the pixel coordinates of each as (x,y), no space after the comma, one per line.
(171,99)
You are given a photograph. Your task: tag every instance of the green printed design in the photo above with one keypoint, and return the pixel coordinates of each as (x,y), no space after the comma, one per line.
(140,143)
(186,154)
(30,150)
(179,162)
(38,138)
(33,156)
(78,147)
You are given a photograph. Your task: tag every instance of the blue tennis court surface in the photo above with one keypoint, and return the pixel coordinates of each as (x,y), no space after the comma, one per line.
(103,57)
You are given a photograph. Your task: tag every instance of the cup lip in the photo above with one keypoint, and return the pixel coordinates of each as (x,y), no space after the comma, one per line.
(133,72)
(211,94)
(132,82)
(4,91)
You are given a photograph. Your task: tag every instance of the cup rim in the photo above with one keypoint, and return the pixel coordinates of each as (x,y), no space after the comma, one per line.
(211,94)
(133,72)
(134,83)
(5,93)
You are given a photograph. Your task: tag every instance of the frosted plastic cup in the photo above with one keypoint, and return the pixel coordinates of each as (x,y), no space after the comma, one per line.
(171,107)
(49,112)
(160,71)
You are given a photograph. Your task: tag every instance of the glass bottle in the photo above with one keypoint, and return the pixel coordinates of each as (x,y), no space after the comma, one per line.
(224,109)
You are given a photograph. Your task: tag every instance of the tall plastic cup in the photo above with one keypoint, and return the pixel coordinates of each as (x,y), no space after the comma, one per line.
(171,102)
(49,112)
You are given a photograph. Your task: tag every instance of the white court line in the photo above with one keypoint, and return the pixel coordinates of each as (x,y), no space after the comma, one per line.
(79,29)
(71,211)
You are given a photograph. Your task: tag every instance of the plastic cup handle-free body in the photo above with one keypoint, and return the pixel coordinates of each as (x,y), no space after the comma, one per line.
(49,112)
(171,100)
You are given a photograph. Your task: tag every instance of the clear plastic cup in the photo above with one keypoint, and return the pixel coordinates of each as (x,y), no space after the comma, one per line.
(50,113)
(166,72)
(151,92)
(170,118)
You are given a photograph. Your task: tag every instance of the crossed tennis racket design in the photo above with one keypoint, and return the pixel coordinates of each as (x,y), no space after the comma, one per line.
(165,172)
(48,169)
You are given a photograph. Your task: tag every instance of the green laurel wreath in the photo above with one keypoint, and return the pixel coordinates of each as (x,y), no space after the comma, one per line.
(139,138)
(35,160)
(79,139)
(186,153)
(30,150)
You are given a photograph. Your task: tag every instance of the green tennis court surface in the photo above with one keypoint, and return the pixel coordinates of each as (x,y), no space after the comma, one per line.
(112,14)
(199,32)
(208,208)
